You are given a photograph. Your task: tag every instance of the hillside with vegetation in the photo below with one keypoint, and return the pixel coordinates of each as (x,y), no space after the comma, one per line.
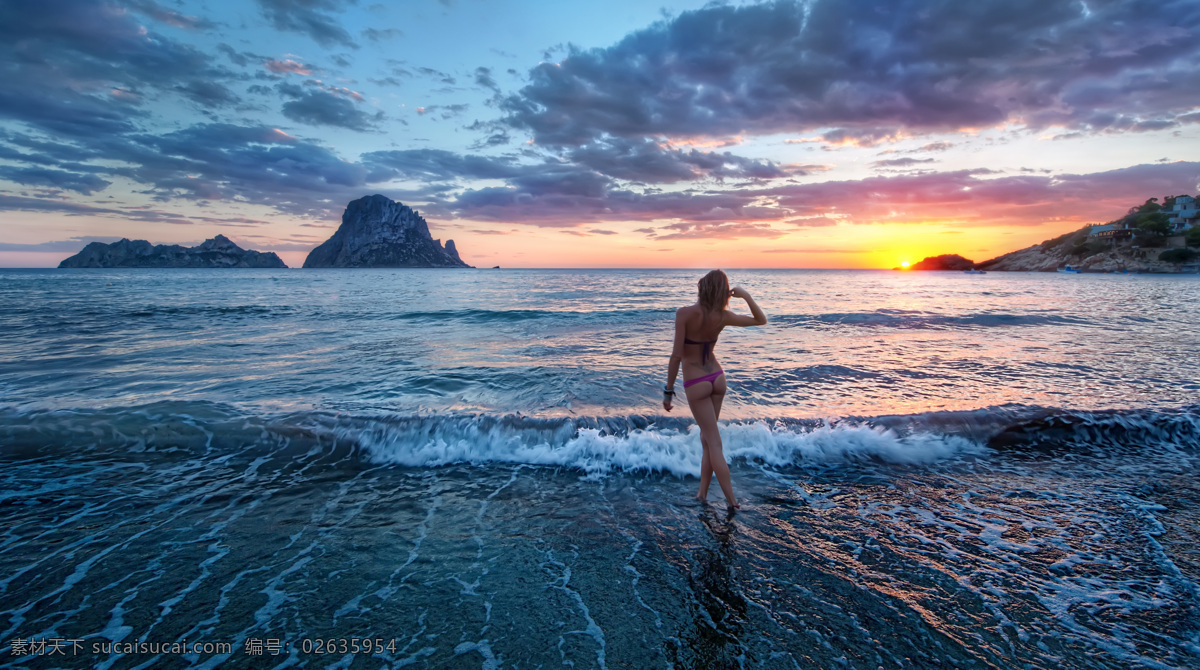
(1141,241)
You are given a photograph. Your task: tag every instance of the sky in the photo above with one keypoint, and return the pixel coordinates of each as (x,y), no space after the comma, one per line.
(619,133)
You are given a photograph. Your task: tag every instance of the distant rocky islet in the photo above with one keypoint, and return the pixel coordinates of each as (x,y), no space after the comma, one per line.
(951,262)
(218,252)
(376,232)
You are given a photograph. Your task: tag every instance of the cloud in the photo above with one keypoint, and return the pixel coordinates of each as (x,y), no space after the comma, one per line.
(443,111)
(568,196)
(328,107)
(483,77)
(27,204)
(169,17)
(250,164)
(872,72)
(309,17)
(438,75)
(386,81)
(814,250)
(497,134)
(235,56)
(652,162)
(716,231)
(71,245)
(40,176)
(811,222)
(208,93)
(979,198)
(68,113)
(937,146)
(287,66)
(382,35)
(81,68)
(437,165)
(902,162)
(481,231)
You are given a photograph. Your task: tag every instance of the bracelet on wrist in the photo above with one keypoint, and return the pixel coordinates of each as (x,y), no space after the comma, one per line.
(669,391)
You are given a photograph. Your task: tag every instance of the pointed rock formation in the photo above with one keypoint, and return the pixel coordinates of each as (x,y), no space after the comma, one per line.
(218,252)
(377,232)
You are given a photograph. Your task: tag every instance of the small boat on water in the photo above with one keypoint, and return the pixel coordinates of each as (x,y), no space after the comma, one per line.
(973,271)
(1070,270)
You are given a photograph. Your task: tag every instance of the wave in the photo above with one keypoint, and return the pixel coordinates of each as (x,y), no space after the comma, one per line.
(464,316)
(593,446)
(1102,431)
(661,446)
(919,320)
(516,315)
(884,318)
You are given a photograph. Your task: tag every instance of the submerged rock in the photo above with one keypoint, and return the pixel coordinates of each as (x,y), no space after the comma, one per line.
(377,232)
(218,252)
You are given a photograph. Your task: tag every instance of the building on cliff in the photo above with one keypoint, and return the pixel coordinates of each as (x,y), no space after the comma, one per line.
(1111,231)
(1183,214)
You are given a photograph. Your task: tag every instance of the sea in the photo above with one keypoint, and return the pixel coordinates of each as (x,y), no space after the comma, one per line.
(473,469)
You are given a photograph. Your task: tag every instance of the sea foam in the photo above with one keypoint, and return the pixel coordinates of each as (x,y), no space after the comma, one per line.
(596,451)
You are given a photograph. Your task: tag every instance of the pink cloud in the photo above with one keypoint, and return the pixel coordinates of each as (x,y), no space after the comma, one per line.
(288,66)
(961,198)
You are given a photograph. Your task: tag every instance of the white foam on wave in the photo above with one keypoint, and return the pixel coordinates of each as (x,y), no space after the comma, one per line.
(597,452)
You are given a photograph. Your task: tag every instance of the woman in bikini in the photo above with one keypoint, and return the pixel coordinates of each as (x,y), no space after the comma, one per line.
(696,329)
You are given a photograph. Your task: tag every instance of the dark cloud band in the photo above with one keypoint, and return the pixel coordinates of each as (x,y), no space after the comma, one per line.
(868,70)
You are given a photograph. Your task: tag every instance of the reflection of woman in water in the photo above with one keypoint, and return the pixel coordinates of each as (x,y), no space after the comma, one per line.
(696,329)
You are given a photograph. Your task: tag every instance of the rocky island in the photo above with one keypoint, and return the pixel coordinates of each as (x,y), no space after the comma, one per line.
(952,262)
(218,252)
(377,232)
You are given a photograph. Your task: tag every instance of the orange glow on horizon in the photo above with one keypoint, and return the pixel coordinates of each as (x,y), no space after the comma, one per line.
(880,246)
(848,244)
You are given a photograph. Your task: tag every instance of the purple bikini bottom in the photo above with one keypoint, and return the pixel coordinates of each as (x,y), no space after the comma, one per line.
(705,378)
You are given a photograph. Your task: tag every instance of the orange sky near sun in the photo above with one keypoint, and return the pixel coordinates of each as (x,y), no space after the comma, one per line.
(840,246)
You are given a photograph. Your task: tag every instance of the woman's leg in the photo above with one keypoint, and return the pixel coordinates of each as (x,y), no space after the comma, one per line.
(717,397)
(705,408)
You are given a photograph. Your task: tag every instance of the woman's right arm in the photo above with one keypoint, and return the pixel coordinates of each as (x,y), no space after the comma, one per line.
(676,358)
(758,318)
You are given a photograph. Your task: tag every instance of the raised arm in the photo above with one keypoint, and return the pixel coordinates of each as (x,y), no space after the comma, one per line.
(741,320)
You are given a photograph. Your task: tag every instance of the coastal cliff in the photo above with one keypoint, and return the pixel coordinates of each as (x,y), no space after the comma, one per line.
(218,252)
(1089,255)
(377,232)
(1150,237)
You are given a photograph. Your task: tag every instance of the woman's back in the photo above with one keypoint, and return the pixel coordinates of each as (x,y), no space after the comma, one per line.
(700,333)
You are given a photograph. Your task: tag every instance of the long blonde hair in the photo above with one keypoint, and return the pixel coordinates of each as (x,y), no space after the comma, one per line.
(713,292)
